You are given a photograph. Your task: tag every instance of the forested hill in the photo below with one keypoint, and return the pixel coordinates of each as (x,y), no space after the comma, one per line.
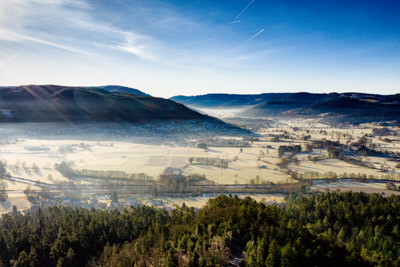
(333,229)
(121,89)
(352,108)
(229,100)
(50,103)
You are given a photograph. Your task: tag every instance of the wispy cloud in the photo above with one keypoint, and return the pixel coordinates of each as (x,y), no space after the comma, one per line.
(80,27)
(136,44)
(139,50)
(243,10)
(65,25)
(252,37)
(17,37)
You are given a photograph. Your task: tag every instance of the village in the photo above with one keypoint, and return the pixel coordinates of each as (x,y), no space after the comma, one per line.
(116,168)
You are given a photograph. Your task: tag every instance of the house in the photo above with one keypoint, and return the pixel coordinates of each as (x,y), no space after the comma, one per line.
(172,174)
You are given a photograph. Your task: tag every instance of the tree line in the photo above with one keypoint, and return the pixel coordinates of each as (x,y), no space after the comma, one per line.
(333,229)
(65,168)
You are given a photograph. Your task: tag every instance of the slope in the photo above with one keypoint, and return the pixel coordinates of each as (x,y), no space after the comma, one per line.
(51,103)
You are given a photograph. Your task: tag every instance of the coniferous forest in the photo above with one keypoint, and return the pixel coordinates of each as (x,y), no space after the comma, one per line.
(332,229)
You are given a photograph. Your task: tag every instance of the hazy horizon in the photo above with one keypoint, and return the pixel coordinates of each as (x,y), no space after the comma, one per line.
(205,93)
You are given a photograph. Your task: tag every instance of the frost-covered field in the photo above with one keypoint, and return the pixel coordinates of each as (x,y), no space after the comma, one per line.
(34,154)
(355,187)
(22,155)
(34,158)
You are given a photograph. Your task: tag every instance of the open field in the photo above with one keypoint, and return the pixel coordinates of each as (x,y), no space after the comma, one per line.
(131,157)
(35,156)
(18,199)
(379,188)
(333,165)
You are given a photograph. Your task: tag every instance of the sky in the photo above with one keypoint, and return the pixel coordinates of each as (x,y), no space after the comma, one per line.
(191,47)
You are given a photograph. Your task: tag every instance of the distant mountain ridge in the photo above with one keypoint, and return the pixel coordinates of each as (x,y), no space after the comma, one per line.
(332,107)
(52,103)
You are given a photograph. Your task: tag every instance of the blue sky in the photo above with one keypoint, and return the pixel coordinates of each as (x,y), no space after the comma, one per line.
(190,47)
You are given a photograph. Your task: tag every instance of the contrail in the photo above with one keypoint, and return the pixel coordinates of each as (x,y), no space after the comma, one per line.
(252,37)
(235,21)
(244,9)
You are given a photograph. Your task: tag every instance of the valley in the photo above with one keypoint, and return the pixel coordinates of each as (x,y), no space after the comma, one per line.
(167,164)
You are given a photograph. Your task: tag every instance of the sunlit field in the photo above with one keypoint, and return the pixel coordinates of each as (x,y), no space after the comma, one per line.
(34,157)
